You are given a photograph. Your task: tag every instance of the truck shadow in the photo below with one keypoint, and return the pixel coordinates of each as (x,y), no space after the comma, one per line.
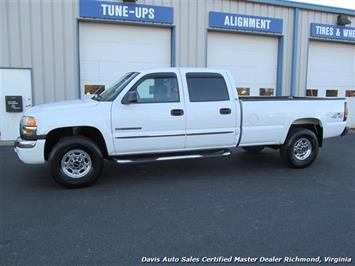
(239,165)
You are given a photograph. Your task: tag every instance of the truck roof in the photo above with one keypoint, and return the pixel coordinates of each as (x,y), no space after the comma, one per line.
(188,69)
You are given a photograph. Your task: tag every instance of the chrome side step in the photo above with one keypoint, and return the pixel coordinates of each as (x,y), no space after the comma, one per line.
(169,157)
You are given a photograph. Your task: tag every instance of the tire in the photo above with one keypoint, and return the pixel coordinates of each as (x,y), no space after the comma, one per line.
(300,148)
(253,149)
(75,162)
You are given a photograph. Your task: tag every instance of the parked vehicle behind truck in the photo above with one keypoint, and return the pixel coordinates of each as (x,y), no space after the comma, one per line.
(172,113)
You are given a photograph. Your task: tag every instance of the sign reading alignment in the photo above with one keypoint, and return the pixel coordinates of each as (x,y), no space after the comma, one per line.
(244,22)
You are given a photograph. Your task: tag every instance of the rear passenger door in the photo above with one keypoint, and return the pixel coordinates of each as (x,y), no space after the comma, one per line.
(210,111)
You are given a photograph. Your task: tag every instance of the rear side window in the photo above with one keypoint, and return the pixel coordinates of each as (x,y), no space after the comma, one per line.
(206,87)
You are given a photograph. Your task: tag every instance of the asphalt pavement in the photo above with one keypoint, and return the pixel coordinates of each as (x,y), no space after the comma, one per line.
(243,205)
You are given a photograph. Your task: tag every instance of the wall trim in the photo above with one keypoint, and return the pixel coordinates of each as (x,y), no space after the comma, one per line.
(294,59)
(331,40)
(280,64)
(306,6)
(245,32)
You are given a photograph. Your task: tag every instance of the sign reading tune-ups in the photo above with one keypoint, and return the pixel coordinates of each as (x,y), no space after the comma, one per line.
(126,11)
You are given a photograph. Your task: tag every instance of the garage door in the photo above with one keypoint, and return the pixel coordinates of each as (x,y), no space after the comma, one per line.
(331,72)
(109,50)
(331,69)
(251,59)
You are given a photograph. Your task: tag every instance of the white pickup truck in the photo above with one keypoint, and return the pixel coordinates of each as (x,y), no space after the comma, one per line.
(172,113)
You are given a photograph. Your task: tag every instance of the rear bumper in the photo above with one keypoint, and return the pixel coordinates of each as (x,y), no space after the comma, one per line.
(346,130)
(30,151)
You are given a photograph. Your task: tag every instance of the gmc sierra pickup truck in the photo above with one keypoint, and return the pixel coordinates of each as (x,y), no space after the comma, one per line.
(172,113)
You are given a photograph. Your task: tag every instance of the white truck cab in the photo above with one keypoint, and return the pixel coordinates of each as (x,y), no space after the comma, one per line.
(172,113)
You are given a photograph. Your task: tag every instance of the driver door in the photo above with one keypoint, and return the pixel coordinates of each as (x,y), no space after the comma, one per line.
(155,122)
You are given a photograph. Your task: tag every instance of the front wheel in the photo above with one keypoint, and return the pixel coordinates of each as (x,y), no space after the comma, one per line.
(75,162)
(300,148)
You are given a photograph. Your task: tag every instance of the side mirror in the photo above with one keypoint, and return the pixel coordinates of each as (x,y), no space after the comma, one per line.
(130,97)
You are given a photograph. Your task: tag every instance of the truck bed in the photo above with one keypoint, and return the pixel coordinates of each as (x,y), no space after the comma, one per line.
(273,117)
(286,98)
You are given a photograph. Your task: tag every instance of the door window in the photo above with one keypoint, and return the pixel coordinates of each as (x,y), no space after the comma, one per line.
(94,89)
(157,88)
(206,87)
(312,92)
(266,91)
(350,93)
(243,91)
(331,93)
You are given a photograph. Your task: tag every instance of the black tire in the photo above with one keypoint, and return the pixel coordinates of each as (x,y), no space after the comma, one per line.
(300,136)
(75,144)
(253,149)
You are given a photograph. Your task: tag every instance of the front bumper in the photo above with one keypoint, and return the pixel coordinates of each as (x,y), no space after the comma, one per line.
(346,130)
(30,151)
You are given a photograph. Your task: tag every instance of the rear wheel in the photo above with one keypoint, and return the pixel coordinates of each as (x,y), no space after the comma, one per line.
(75,162)
(253,149)
(300,148)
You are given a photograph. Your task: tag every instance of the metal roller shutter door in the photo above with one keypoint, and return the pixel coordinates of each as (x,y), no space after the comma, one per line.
(331,66)
(109,50)
(251,59)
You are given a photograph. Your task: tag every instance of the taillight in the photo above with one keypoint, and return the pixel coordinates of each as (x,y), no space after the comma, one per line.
(346,111)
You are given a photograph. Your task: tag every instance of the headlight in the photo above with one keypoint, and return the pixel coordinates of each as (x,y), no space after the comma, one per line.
(28,127)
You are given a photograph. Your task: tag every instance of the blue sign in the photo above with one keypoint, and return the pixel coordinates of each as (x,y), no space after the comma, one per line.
(243,22)
(126,11)
(332,32)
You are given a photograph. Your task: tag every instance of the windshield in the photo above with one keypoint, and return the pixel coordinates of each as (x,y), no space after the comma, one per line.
(111,93)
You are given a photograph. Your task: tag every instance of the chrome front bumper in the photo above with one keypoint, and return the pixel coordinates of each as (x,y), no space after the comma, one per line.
(25,144)
(30,151)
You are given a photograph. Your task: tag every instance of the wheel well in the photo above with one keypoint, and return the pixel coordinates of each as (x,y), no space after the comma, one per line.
(312,124)
(92,133)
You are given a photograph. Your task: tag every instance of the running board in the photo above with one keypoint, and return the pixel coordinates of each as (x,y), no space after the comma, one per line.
(169,157)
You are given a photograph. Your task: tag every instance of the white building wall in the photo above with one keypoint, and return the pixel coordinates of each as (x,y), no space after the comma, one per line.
(43,35)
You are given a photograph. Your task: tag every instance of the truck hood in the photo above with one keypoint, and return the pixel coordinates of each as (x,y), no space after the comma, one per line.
(86,112)
(63,105)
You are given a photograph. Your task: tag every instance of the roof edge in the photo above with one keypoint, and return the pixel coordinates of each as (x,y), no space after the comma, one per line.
(307,6)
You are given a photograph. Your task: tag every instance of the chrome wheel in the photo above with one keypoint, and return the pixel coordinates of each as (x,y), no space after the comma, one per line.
(302,149)
(76,163)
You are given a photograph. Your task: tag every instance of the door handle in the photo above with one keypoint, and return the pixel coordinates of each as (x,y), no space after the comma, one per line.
(177,112)
(225,111)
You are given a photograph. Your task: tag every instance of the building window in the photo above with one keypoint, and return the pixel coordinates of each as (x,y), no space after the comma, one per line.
(312,92)
(350,93)
(243,91)
(266,91)
(94,89)
(331,93)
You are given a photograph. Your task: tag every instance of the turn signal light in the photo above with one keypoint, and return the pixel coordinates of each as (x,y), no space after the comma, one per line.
(28,126)
(30,121)
(346,111)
